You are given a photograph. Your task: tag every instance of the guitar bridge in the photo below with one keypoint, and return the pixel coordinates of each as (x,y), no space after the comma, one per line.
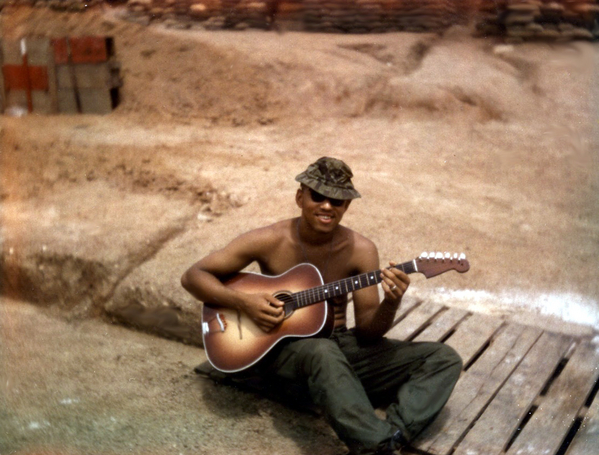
(222,324)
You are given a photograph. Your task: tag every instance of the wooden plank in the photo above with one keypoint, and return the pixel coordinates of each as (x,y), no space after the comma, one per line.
(442,325)
(413,322)
(472,335)
(67,101)
(38,51)
(42,102)
(477,387)
(89,49)
(95,101)
(3,104)
(21,77)
(586,440)
(11,52)
(495,427)
(52,86)
(407,305)
(85,76)
(60,51)
(557,412)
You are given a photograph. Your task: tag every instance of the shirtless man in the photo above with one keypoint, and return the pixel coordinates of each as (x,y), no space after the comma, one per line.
(354,370)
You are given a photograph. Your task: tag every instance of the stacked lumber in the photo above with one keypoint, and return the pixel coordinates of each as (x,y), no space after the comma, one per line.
(523,20)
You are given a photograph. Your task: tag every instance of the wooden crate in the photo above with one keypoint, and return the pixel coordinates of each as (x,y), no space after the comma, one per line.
(87,75)
(27,73)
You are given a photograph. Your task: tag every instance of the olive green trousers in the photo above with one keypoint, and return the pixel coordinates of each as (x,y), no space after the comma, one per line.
(347,379)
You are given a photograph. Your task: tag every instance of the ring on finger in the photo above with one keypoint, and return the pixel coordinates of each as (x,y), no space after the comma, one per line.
(392,288)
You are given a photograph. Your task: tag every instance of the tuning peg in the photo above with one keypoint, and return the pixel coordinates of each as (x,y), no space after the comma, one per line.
(424,255)
(462,257)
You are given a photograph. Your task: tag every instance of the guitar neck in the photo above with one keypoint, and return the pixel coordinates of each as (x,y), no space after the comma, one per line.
(345,286)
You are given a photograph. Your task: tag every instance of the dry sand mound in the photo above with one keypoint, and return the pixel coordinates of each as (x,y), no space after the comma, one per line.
(392,104)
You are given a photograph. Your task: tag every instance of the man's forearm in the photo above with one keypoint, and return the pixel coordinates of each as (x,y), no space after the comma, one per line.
(380,322)
(206,287)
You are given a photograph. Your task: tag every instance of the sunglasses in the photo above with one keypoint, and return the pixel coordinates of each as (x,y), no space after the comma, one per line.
(317,197)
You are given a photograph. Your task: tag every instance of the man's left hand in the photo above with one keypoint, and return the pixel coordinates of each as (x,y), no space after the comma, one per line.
(394,283)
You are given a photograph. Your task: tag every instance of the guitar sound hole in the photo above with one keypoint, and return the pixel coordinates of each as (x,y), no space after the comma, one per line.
(288,301)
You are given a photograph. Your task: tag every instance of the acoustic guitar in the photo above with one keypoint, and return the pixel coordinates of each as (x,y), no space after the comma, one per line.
(232,340)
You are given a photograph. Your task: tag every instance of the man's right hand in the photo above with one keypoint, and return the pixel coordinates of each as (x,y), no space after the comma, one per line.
(265,310)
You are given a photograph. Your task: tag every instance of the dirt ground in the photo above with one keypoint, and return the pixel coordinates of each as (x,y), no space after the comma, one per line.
(457,144)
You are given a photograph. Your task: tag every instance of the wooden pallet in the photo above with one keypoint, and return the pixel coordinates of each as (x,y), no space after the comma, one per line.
(523,390)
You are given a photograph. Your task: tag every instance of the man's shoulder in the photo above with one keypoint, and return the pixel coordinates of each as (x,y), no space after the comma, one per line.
(359,242)
(269,234)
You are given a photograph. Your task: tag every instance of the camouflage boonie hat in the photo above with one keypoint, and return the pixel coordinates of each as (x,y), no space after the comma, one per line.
(330,177)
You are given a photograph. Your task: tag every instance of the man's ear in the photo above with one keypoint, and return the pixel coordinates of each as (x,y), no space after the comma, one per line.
(299,195)
(347,203)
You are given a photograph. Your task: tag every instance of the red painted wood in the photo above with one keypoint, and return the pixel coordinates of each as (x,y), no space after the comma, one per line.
(88,49)
(20,77)
(80,49)
(61,51)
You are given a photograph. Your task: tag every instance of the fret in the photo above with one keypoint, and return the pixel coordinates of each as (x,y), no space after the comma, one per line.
(372,278)
(344,286)
(337,291)
(363,280)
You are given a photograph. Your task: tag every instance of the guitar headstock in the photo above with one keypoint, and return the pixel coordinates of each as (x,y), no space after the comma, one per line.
(435,263)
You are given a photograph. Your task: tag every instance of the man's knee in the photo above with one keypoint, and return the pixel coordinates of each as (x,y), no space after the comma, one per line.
(450,358)
(320,353)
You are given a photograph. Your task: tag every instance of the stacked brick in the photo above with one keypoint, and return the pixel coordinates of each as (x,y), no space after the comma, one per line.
(521,20)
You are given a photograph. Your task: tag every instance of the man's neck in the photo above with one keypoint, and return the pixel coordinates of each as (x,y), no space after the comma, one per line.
(310,236)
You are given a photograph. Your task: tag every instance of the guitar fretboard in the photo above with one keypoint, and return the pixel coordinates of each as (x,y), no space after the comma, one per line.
(345,286)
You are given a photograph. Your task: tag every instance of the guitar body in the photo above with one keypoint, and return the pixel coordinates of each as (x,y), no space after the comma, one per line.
(233,342)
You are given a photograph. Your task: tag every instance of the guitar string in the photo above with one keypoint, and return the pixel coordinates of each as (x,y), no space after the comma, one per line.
(301,245)
(317,294)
